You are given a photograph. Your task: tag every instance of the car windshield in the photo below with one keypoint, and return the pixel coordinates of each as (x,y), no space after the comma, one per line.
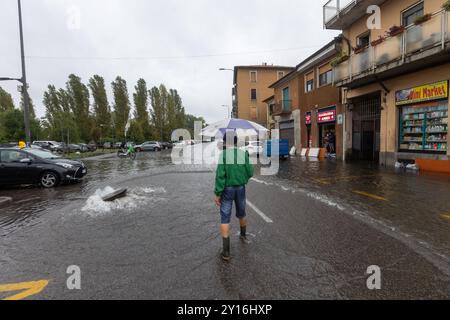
(43,154)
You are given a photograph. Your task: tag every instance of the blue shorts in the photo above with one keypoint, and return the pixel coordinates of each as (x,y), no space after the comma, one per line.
(230,195)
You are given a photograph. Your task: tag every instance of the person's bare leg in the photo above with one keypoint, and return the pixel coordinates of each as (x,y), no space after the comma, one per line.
(225,230)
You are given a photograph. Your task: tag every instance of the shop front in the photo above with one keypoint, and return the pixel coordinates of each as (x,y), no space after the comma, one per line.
(287,132)
(326,121)
(423,128)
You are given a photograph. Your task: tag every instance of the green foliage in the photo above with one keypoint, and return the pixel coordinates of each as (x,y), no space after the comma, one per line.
(121,107)
(6,101)
(101,109)
(140,128)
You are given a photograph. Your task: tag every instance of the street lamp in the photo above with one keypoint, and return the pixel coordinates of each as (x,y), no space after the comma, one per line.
(228,107)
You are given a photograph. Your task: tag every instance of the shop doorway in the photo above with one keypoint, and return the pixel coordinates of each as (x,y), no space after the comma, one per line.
(308,137)
(325,130)
(366,128)
(287,132)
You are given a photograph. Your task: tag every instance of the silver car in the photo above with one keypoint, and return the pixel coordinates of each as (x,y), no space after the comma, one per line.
(148,146)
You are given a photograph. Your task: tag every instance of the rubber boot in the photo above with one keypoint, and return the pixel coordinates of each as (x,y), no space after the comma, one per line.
(226,249)
(244,233)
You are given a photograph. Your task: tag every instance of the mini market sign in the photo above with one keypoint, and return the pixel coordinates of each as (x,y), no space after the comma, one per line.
(429,92)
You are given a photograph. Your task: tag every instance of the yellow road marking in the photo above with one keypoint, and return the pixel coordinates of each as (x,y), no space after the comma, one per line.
(446,216)
(369,195)
(29,289)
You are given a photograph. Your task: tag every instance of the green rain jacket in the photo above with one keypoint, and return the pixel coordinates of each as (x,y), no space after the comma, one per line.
(234,170)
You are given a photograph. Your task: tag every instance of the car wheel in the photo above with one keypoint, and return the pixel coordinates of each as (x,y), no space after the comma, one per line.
(49,180)
(157,149)
(138,150)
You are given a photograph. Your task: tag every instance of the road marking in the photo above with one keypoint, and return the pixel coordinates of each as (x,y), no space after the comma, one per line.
(259,212)
(369,195)
(29,289)
(446,216)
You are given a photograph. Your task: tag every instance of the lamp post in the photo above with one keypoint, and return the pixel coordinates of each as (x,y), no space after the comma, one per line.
(229,112)
(228,108)
(26,98)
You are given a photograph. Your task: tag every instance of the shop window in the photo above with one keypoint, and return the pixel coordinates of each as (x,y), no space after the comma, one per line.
(424,127)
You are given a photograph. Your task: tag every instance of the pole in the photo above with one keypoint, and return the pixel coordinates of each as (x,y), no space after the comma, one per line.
(26,98)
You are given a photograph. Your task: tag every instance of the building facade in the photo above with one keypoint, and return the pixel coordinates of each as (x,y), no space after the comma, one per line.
(394,79)
(307,107)
(251,88)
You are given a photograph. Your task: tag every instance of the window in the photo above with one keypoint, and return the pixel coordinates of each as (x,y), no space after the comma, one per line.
(408,16)
(253,76)
(309,82)
(12,156)
(253,94)
(286,102)
(364,40)
(280,74)
(326,78)
(309,85)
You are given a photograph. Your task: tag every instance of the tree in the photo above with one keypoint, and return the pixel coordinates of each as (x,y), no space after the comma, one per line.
(79,101)
(156,112)
(101,110)
(142,120)
(6,101)
(121,107)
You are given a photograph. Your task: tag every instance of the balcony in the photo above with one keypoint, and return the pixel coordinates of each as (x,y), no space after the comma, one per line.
(282,108)
(419,46)
(341,14)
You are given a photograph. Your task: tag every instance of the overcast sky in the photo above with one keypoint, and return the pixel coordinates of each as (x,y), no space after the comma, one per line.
(181,43)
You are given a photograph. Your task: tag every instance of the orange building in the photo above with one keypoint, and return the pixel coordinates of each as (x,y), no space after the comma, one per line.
(251,87)
(394,77)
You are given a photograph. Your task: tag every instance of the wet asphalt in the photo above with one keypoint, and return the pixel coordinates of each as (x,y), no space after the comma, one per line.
(330,222)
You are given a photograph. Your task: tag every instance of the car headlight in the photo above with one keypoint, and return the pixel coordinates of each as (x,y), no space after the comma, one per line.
(65,165)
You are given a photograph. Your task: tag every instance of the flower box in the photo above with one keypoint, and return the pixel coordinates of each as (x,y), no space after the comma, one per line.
(396,30)
(422,19)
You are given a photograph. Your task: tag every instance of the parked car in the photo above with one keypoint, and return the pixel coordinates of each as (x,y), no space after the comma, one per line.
(166,145)
(148,146)
(107,145)
(52,146)
(83,147)
(117,145)
(35,166)
(254,148)
(74,148)
(92,147)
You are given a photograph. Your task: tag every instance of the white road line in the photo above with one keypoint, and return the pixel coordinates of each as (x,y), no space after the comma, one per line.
(259,212)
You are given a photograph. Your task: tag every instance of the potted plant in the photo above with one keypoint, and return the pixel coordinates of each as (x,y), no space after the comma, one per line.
(422,19)
(446,5)
(378,41)
(396,30)
(339,59)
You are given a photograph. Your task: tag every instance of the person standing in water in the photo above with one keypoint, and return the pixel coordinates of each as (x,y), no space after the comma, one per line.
(232,175)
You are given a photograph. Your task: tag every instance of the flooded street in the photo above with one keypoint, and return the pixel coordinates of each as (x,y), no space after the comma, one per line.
(314,229)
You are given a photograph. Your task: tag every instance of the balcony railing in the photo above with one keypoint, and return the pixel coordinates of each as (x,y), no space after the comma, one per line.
(282,107)
(333,8)
(416,38)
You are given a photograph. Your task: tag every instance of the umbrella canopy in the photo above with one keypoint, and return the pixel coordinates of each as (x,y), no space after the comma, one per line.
(243,128)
